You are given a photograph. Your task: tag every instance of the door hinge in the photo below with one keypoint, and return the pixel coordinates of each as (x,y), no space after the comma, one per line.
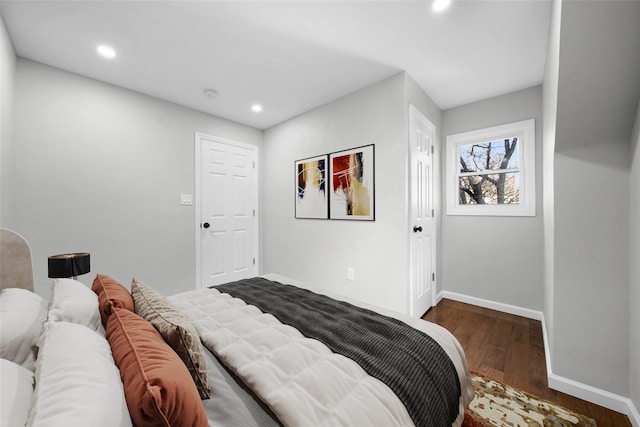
(432,149)
(433,213)
(433,277)
(254,261)
(254,164)
(254,213)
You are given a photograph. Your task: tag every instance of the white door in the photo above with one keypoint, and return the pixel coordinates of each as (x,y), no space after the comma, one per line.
(228,198)
(422,221)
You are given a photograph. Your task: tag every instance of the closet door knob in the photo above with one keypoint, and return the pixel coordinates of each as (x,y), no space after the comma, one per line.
(417,228)
(206,225)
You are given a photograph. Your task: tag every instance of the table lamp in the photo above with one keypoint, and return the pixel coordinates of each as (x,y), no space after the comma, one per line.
(69,265)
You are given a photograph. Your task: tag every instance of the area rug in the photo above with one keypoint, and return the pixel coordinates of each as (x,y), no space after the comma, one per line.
(497,404)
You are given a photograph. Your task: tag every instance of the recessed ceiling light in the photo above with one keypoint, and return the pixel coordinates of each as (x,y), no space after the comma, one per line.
(440,5)
(256,108)
(106,51)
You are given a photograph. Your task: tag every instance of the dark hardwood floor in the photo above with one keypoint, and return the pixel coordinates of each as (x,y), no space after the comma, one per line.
(510,349)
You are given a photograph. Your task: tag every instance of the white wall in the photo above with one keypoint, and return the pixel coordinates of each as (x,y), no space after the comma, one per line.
(634,265)
(101,169)
(319,251)
(7,76)
(549,108)
(595,115)
(591,284)
(496,258)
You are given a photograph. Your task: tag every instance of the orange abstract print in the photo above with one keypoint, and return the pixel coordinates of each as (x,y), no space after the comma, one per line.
(311,175)
(311,188)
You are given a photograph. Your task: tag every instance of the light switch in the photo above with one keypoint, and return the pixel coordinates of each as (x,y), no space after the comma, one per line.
(351,272)
(186,199)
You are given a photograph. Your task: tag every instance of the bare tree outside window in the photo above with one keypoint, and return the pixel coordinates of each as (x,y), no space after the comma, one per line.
(492,171)
(489,172)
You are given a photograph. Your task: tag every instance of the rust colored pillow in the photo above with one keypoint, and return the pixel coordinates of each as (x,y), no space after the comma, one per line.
(158,387)
(111,294)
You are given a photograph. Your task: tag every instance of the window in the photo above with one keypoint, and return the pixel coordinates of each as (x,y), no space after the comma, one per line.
(492,171)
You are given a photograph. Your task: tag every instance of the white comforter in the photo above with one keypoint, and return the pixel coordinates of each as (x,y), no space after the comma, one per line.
(303,381)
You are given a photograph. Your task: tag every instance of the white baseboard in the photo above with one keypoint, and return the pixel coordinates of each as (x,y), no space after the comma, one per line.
(586,392)
(595,395)
(505,308)
(438,298)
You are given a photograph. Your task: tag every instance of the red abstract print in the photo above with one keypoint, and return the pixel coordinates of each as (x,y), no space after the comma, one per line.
(341,172)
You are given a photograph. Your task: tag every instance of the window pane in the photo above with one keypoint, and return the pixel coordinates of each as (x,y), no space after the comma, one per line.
(492,189)
(491,155)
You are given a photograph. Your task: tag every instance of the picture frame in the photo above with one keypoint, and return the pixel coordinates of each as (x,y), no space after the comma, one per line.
(311,198)
(352,184)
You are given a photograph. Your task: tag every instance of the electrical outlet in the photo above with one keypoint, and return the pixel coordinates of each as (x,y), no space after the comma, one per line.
(350,273)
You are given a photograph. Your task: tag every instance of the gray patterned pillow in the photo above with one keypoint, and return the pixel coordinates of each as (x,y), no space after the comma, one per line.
(176,330)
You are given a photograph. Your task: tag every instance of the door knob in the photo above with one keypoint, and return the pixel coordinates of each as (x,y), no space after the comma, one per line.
(206,225)
(417,228)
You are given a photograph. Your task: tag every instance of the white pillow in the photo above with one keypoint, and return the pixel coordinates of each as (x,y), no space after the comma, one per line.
(77,381)
(16,388)
(22,313)
(72,301)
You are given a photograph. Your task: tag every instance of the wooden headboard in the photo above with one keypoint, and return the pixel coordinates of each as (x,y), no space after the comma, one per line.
(16,268)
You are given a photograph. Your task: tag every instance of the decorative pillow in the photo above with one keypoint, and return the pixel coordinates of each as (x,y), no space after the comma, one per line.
(176,330)
(72,301)
(157,385)
(110,294)
(16,389)
(22,313)
(77,381)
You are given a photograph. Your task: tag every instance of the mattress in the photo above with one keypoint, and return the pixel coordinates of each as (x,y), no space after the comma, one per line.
(298,377)
(232,404)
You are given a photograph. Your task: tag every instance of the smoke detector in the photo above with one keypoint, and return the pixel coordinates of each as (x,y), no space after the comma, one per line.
(210,93)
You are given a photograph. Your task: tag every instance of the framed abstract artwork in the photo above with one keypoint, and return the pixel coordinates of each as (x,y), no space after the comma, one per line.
(351,184)
(312,200)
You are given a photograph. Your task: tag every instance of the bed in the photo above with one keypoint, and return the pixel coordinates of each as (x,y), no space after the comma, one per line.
(117,355)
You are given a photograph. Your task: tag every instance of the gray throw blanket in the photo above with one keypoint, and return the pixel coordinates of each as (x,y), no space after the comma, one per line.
(410,362)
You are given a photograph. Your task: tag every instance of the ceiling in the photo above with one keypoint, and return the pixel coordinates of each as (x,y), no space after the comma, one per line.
(289,56)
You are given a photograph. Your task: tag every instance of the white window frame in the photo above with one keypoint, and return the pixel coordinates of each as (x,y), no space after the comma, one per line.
(525,131)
